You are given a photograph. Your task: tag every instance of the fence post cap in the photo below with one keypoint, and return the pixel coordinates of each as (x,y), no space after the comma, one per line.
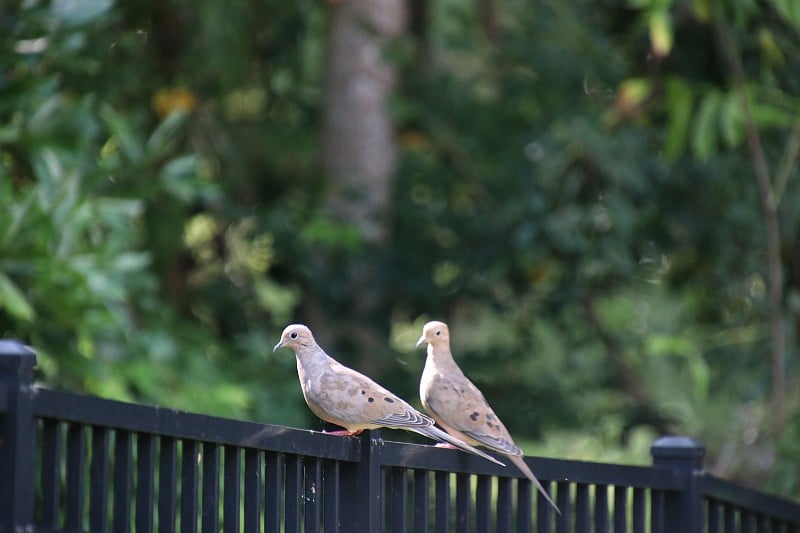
(678,451)
(16,354)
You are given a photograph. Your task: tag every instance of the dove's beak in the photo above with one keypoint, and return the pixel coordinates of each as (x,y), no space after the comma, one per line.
(422,342)
(278,346)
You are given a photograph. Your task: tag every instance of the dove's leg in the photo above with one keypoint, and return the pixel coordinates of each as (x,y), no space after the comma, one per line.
(344,432)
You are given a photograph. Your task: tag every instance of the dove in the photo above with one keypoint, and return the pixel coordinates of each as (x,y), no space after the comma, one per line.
(342,396)
(458,406)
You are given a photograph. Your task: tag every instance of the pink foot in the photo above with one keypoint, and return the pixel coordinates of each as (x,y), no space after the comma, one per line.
(445,445)
(343,432)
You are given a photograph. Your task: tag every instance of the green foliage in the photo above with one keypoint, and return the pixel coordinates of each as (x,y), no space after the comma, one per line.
(584,217)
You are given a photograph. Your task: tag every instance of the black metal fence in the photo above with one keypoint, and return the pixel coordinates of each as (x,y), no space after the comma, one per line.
(77,463)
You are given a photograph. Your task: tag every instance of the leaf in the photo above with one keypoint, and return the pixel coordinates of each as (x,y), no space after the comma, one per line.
(165,132)
(129,142)
(12,299)
(179,178)
(789,11)
(731,119)
(661,35)
(679,101)
(704,138)
(77,12)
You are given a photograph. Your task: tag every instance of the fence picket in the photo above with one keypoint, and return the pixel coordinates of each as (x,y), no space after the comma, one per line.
(98,473)
(167,484)
(123,461)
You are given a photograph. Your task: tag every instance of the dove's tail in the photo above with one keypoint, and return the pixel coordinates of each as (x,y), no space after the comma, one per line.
(432,432)
(520,463)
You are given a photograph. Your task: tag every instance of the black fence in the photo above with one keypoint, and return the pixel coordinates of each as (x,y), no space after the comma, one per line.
(77,463)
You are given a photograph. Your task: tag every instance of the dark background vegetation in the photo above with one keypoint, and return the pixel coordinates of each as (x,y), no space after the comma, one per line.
(600,197)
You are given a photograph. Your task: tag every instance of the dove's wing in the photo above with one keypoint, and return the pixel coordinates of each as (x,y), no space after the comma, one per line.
(456,403)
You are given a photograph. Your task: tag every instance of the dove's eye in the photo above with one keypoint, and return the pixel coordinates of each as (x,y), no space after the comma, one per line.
(293,334)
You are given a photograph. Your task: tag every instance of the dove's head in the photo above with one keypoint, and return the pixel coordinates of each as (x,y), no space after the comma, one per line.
(295,336)
(434,333)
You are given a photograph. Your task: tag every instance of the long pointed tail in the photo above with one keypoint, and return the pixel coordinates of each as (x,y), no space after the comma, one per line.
(432,432)
(520,463)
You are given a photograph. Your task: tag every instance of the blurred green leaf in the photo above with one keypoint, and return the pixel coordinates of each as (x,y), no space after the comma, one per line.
(705,135)
(14,301)
(77,12)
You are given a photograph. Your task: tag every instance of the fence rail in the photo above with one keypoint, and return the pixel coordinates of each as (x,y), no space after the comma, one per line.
(76,463)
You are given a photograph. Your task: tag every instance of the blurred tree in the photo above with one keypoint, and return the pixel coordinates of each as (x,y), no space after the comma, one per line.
(358,159)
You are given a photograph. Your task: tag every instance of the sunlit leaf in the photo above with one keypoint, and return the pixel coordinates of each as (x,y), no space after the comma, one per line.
(127,138)
(661,36)
(77,12)
(14,301)
(679,100)
(731,119)
(705,134)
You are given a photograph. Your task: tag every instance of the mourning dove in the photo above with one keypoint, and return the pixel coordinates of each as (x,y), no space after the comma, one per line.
(459,407)
(344,397)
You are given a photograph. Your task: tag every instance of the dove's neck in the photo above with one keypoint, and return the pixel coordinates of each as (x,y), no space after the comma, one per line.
(439,355)
(311,361)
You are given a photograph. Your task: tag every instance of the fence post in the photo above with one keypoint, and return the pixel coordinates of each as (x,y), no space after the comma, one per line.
(684,509)
(362,491)
(17,437)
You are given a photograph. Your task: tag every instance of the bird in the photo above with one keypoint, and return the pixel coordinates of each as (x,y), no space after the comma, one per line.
(342,396)
(458,406)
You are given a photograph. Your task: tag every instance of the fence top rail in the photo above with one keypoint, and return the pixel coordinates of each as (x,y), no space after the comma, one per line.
(89,410)
(729,493)
(429,458)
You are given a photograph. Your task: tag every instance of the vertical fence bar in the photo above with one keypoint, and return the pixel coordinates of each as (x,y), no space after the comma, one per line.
(463,497)
(330,498)
(563,501)
(684,508)
(582,511)
(639,509)
(504,505)
(189,486)
(712,516)
(363,510)
(313,497)
(17,437)
(76,476)
(620,509)
(167,484)
(122,481)
(524,505)
(293,493)
(657,513)
(601,508)
(729,518)
(483,504)
(51,472)
(544,511)
(442,501)
(231,496)
(98,474)
(273,489)
(399,500)
(421,497)
(761,523)
(210,512)
(252,489)
(745,521)
(145,481)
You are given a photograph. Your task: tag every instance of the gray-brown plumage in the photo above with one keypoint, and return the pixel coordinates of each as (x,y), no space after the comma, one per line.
(459,406)
(344,397)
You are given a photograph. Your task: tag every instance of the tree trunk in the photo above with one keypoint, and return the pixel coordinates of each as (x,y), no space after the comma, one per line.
(359,153)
